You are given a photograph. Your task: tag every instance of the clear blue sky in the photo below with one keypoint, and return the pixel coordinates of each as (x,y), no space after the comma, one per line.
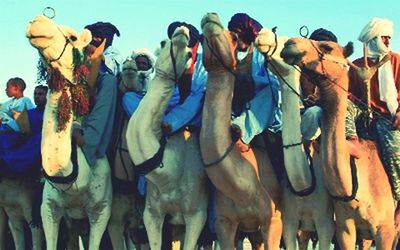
(143,23)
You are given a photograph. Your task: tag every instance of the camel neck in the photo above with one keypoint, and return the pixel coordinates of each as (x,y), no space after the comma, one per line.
(218,103)
(56,145)
(156,101)
(334,151)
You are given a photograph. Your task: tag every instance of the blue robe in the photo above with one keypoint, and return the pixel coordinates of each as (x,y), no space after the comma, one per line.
(97,127)
(20,153)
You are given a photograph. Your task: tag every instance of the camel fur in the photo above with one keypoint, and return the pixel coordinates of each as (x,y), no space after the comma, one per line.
(299,212)
(178,186)
(370,214)
(247,189)
(90,194)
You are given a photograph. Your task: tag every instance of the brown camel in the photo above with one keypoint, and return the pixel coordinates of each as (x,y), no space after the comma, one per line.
(247,189)
(364,204)
(299,203)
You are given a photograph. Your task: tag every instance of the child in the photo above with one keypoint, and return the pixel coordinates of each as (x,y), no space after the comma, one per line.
(10,110)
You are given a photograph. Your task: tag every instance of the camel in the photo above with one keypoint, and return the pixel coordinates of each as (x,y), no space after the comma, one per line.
(247,189)
(305,194)
(17,197)
(73,188)
(127,208)
(175,175)
(364,204)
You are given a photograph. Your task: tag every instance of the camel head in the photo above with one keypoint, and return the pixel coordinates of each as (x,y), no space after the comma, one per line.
(130,80)
(265,41)
(55,43)
(218,45)
(321,60)
(174,57)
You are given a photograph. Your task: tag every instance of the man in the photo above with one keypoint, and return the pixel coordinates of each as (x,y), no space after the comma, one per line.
(24,156)
(112,58)
(255,103)
(94,134)
(385,90)
(187,100)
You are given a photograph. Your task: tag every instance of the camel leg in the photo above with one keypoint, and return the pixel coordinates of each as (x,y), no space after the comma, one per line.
(115,229)
(193,228)
(290,226)
(346,234)
(226,231)
(272,231)
(3,229)
(16,225)
(385,237)
(325,231)
(98,222)
(153,224)
(51,217)
(37,233)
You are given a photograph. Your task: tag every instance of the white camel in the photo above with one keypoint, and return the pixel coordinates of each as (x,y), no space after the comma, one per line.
(17,197)
(299,209)
(177,184)
(127,208)
(73,188)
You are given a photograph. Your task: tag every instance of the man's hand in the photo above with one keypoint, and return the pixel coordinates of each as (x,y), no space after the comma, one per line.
(311,100)
(77,134)
(396,121)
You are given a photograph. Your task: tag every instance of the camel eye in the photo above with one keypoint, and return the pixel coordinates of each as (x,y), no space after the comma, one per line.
(73,38)
(326,48)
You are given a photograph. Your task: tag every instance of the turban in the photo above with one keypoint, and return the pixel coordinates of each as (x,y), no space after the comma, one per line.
(376,27)
(146,53)
(103,30)
(246,27)
(322,34)
(193,32)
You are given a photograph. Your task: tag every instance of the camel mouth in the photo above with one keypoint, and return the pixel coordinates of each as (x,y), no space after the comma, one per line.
(180,32)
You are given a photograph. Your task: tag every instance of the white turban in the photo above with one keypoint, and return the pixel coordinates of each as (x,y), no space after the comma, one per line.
(371,35)
(377,27)
(144,52)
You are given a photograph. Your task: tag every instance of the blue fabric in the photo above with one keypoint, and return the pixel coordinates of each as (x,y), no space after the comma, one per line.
(17,105)
(178,115)
(264,111)
(21,153)
(97,127)
(113,61)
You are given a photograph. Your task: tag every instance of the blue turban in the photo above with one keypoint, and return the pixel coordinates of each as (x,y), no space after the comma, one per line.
(246,27)
(193,32)
(103,30)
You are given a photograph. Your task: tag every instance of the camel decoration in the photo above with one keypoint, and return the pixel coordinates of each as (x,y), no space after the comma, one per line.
(299,203)
(176,185)
(247,190)
(127,208)
(361,189)
(72,189)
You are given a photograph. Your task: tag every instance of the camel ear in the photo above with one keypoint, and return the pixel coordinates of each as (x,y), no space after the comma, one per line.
(85,37)
(348,49)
